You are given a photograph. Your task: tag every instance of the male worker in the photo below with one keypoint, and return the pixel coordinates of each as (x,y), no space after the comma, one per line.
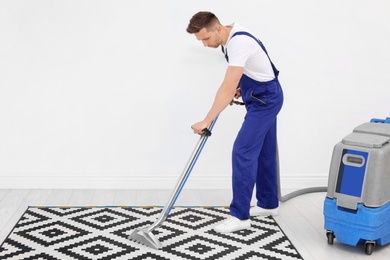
(251,75)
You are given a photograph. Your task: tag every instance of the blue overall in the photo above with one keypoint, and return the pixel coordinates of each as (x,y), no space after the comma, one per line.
(255,148)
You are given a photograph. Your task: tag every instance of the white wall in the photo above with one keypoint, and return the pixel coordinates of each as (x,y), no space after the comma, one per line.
(98,94)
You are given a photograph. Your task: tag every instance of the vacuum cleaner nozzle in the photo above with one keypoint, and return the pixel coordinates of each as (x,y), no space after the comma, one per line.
(145,237)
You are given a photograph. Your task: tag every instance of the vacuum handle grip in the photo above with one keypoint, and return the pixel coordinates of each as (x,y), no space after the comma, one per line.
(206,132)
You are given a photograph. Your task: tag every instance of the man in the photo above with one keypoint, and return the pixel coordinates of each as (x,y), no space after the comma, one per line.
(251,75)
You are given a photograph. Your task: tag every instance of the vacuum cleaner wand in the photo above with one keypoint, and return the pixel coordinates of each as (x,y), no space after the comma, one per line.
(145,236)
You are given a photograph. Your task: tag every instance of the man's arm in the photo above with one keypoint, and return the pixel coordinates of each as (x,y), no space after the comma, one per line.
(224,96)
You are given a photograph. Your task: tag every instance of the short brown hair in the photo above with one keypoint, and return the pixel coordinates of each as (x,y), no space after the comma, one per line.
(202,20)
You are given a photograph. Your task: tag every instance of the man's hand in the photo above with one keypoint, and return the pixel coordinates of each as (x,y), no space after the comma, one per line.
(198,127)
(238,93)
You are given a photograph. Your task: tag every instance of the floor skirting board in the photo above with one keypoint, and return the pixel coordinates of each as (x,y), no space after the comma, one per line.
(141,182)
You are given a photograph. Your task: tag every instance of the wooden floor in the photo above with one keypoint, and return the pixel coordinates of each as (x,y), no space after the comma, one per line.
(301,218)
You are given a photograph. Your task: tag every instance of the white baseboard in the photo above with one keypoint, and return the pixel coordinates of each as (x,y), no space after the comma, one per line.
(36,181)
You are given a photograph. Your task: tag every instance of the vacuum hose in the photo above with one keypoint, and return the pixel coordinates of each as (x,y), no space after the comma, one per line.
(294,193)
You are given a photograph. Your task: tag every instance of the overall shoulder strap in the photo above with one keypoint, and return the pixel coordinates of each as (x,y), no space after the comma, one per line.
(276,72)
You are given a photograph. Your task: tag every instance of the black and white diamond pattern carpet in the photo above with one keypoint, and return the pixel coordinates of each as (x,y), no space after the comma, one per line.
(89,233)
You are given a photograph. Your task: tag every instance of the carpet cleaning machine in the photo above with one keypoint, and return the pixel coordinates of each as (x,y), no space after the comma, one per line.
(145,235)
(357,205)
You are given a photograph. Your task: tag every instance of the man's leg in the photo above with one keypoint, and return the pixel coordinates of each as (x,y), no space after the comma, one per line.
(246,151)
(266,182)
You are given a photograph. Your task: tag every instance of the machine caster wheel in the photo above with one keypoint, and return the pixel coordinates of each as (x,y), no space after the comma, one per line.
(369,247)
(330,235)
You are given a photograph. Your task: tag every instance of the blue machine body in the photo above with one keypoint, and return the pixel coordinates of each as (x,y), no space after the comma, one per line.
(357,205)
(353,226)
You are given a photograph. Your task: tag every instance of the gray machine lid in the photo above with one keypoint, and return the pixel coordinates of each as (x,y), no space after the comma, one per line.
(373,128)
(366,140)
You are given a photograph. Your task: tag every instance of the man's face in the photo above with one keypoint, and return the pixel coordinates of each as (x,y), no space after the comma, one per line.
(210,38)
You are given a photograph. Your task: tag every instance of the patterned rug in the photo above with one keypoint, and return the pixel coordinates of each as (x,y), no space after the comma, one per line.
(102,233)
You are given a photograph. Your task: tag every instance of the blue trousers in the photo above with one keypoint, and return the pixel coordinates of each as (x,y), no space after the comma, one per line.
(255,148)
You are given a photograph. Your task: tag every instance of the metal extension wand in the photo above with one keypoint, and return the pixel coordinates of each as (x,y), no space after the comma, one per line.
(145,235)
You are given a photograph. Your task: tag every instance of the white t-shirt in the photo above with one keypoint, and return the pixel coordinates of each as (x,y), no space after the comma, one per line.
(244,51)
